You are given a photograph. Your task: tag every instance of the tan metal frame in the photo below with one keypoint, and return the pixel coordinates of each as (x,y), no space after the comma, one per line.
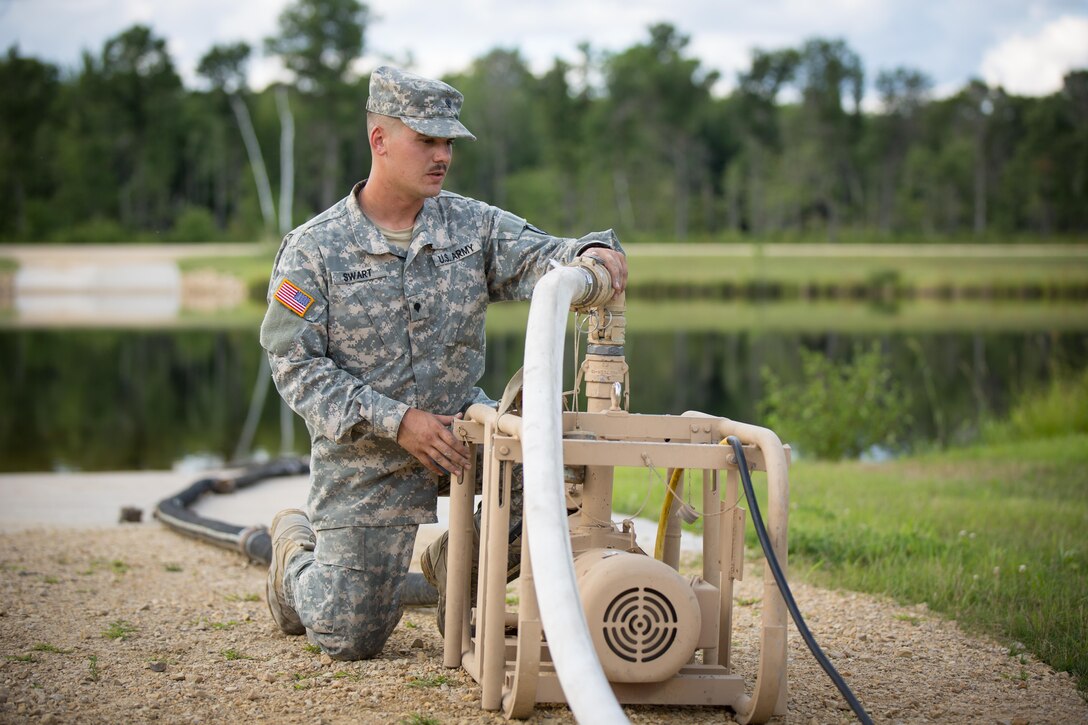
(514,671)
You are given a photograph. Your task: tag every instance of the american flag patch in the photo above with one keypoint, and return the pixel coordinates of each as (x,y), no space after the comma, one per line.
(293,298)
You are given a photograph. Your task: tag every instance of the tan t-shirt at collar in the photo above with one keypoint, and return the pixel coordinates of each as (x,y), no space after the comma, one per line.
(399,238)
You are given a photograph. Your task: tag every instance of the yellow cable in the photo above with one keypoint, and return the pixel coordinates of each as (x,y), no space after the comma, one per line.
(666,508)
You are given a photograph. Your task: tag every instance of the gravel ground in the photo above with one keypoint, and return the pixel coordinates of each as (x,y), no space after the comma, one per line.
(137,624)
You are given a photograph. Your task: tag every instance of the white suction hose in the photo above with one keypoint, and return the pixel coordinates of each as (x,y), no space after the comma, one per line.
(586,688)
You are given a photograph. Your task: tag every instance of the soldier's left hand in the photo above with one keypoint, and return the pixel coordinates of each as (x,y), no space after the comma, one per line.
(427,436)
(615,262)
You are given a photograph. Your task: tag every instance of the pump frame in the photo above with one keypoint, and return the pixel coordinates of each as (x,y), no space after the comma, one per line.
(514,671)
(507,653)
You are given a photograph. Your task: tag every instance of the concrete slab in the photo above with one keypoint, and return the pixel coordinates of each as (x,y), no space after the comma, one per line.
(94,501)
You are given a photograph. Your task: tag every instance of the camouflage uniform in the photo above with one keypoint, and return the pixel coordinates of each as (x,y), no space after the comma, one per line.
(364,331)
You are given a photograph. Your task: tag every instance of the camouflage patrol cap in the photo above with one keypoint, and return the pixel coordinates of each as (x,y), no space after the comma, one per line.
(426,106)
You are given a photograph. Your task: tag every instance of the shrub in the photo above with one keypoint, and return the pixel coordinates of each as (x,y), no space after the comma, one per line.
(1060,409)
(837,410)
(97,230)
(195,224)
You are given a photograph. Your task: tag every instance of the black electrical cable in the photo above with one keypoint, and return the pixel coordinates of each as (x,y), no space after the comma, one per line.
(783,586)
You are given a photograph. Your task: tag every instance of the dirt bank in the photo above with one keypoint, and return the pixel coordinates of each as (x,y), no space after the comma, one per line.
(137,624)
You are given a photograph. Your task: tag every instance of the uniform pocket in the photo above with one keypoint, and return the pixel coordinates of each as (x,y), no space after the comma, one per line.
(361,318)
(464,283)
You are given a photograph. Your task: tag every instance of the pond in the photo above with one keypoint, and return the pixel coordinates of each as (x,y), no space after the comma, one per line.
(109,399)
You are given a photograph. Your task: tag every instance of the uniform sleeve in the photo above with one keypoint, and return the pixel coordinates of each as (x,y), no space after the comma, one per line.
(295,334)
(477,395)
(519,254)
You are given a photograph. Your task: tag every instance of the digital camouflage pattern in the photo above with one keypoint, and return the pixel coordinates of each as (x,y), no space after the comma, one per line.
(426,106)
(347,590)
(388,330)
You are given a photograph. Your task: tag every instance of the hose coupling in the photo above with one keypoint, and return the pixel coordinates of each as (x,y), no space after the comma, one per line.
(598,284)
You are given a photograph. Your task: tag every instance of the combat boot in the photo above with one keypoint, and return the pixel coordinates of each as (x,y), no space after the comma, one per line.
(291,533)
(433,564)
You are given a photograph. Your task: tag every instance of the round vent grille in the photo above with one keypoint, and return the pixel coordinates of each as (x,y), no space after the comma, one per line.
(640,624)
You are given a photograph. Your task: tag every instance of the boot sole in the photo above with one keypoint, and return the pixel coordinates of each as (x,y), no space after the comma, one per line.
(282,614)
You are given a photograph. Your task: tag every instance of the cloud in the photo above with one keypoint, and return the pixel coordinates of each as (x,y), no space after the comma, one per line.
(1033,65)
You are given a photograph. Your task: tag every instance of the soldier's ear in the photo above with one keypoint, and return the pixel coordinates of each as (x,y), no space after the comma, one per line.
(378,138)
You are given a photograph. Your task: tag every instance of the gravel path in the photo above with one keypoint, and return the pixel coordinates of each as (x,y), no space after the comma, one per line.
(137,624)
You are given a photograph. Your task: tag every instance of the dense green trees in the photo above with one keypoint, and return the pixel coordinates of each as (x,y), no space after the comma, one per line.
(640,139)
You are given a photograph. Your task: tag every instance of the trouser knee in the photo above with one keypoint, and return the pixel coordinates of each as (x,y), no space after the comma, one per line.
(348,596)
(348,646)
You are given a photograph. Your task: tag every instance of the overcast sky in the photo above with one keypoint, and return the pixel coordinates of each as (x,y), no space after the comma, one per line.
(1024,45)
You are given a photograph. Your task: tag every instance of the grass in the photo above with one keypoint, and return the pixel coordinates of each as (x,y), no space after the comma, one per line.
(645,316)
(433,681)
(118,567)
(118,629)
(911,265)
(418,719)
(345,675)
(991,536)
(223,626)
(656,269)
(907,265)
(46,647)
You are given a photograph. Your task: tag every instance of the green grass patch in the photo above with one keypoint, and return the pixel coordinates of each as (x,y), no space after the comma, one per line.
(345,675)
(1060,409)
(119,567)
(20,658)
(932,266)
(991,536)
(434,681)
(250,268)
(223,626)
(644,316)
(118,629)
(249,597)
(418,719)
(230,654)
(1027,273)
(46,647)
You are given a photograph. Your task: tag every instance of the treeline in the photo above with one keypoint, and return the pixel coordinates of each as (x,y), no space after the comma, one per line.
(119,149)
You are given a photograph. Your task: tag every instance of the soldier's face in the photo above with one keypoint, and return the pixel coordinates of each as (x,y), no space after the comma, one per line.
(419,162)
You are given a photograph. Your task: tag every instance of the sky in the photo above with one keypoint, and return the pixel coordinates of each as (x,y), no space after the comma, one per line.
(1023,45)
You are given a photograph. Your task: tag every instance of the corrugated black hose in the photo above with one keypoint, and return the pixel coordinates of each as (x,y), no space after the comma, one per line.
(784,587)
(254,541)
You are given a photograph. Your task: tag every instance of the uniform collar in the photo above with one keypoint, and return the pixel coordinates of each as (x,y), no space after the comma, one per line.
(430,227)
(367,236)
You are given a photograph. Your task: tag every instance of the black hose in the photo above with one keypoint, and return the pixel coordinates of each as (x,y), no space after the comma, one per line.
(784,587)
(254,541)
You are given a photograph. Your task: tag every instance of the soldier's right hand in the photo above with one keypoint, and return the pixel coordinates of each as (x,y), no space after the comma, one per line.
(427,437)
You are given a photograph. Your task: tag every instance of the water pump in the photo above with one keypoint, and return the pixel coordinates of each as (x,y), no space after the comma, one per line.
(598,620)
